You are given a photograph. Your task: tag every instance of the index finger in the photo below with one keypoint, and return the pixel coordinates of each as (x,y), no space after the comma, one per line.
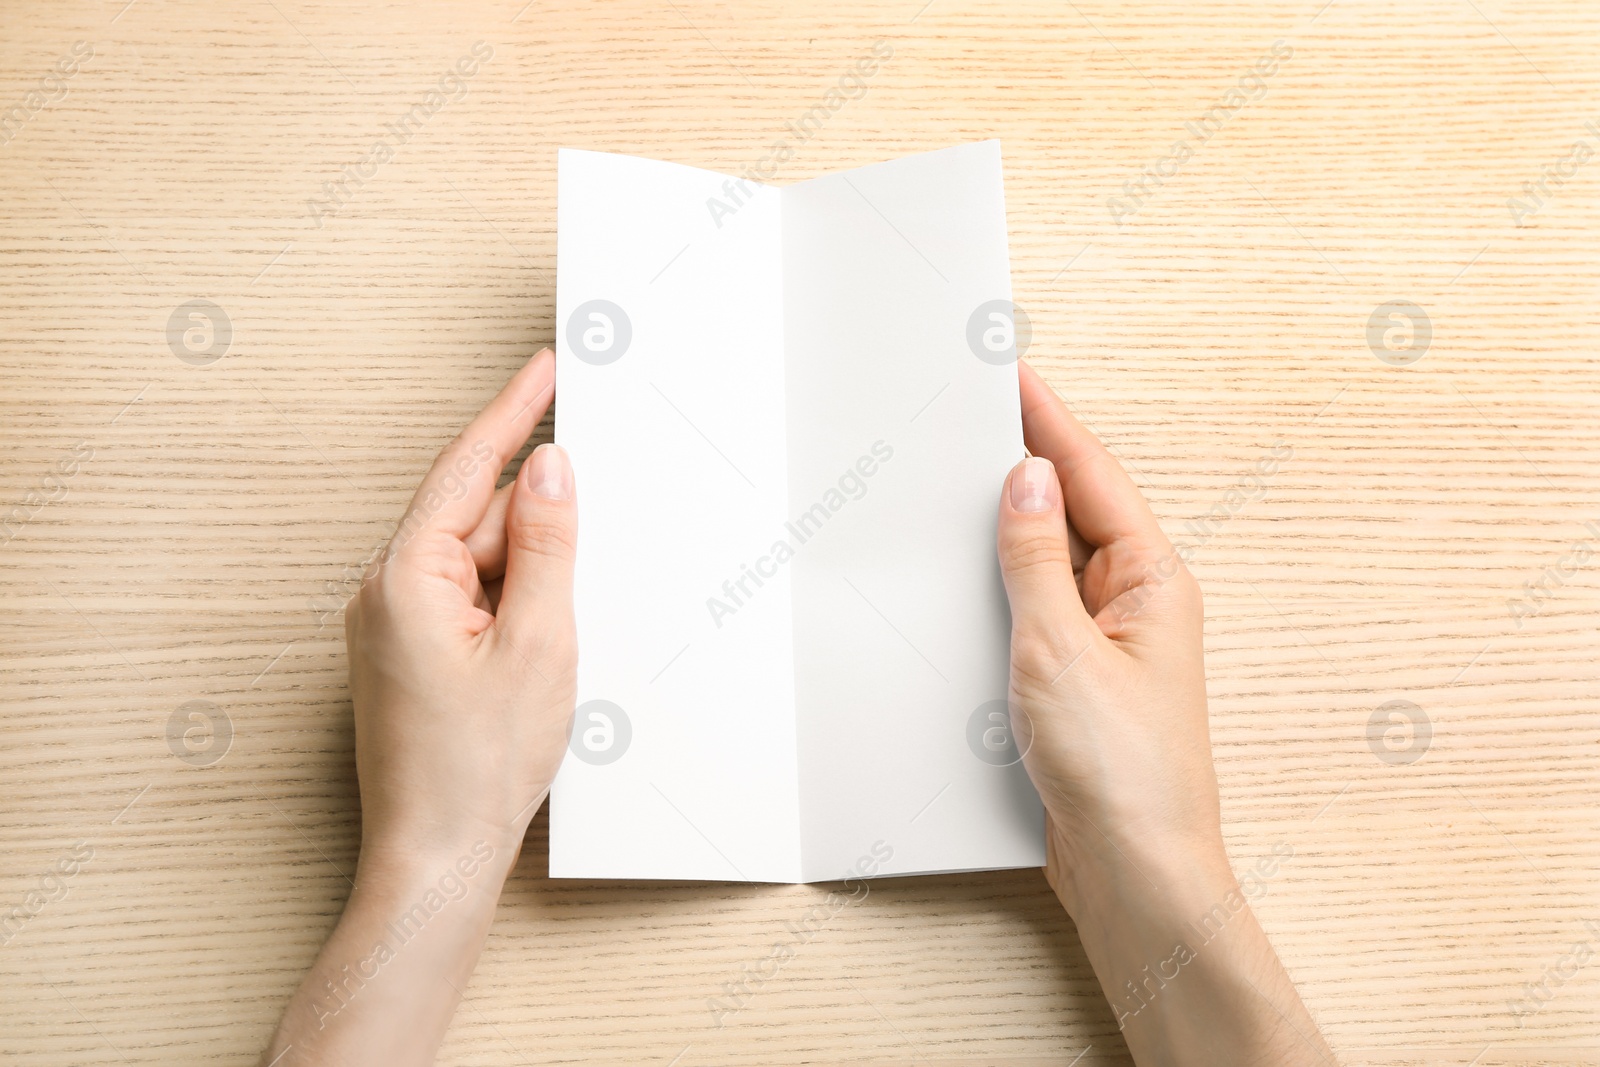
(455,493)
(1102,502)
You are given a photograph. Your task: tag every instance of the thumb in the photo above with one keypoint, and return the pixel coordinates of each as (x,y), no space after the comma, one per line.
(1047,615)
(541,545)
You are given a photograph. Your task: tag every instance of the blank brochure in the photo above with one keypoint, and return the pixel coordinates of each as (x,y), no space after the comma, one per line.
(790,412)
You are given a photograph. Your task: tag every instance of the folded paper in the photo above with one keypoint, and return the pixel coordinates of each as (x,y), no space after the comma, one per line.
(790,412)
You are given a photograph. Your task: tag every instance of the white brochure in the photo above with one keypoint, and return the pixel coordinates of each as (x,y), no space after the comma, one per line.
(790,412)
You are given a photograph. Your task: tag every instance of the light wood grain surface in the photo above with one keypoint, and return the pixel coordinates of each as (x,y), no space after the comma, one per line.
(1421,542)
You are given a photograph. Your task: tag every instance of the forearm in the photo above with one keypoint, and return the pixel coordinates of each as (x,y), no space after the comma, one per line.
(1189,973)
(386,983)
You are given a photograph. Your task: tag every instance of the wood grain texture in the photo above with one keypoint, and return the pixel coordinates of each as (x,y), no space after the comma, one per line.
(191,554)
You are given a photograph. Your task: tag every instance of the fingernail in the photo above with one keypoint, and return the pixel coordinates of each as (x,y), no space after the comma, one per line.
(548,473)
(1033,486)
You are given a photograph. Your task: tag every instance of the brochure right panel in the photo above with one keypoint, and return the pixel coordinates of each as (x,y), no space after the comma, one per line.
(901,629)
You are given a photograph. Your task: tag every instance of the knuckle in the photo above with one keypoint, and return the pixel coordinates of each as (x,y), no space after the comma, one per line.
(374,575)
(1163,569)
(1174,580)
(466,453)
(547,536)
(1037,551)
(459,462)
(384,594)
(370,592)
(1191,595)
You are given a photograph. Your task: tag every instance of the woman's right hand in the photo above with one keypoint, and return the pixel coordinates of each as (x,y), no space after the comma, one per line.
(1109,707)
(1107,667)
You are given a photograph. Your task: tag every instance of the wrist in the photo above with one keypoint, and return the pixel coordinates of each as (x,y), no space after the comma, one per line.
(392,876)
(1163,877)
(438,907)
(407,845)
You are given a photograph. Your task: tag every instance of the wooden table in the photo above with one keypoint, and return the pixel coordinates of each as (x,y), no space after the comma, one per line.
(186,504)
